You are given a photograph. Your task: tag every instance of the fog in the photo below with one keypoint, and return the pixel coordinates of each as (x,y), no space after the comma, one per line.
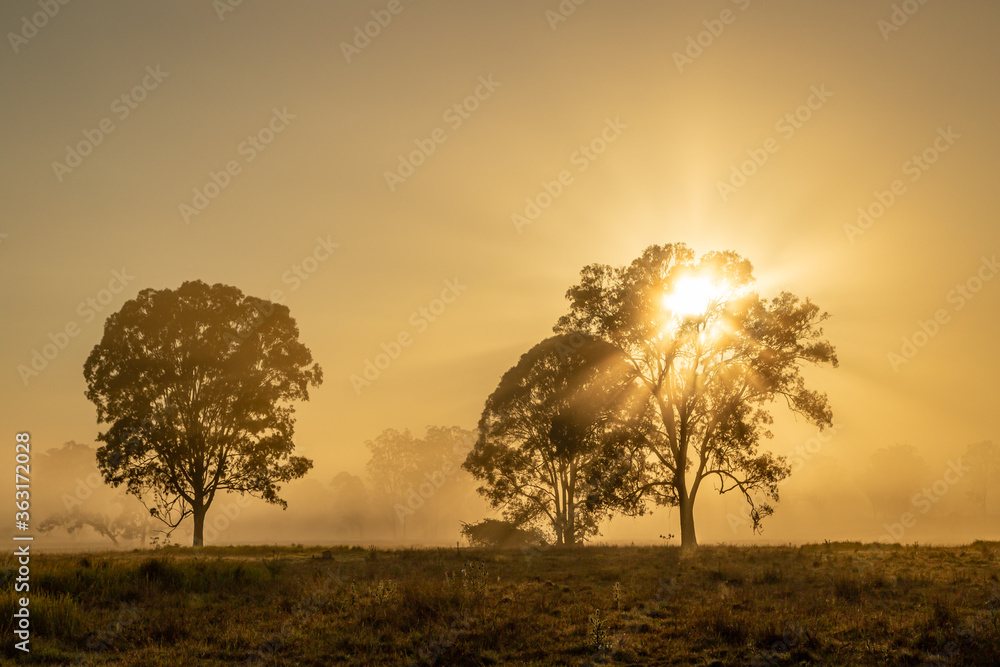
(893,495)
(415,287)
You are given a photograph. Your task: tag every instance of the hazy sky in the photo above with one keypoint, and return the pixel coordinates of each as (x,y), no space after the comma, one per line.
(310,127)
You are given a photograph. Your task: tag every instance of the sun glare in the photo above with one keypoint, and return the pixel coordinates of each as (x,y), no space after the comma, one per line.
(692,295)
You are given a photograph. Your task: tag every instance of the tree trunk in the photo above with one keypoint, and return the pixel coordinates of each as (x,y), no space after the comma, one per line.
(571,508)
(199,525)
(688,538)
(571,526)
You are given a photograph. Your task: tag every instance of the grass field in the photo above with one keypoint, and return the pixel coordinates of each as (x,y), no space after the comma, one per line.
(831,604)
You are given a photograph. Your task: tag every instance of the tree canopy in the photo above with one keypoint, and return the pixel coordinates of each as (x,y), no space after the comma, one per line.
(196,386)
(419,480)
(712,356)
(555,421)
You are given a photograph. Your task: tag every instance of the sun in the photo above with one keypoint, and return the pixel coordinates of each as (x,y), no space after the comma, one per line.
(691,295)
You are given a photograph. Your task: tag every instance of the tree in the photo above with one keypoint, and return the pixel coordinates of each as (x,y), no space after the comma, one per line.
(351,504)
(127,525)
(983,460)
(85,499)
(392,467)
(196,386)
(416,476)
(497,534)
(547,429)
(712,356)
(71,475)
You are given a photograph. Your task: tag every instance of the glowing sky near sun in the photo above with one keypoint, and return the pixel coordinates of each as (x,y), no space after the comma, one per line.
(259,151)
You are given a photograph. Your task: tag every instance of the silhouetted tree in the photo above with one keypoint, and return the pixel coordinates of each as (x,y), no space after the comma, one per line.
(393,466)
(85,500)
(416,474)
(127,525)
(351,502)
(501,535)
(712,356)
(547,432)
(196,385)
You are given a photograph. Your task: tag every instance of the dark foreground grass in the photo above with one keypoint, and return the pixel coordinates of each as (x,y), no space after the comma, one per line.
(833,604)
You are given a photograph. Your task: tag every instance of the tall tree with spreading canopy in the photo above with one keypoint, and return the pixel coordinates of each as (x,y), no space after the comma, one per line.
(196,387)
(712,356)
(555,419)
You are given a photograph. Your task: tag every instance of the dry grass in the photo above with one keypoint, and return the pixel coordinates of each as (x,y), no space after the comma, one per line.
(832,604)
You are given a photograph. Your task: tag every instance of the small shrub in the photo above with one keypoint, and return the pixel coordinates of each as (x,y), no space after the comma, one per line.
(274,566)
(770,576)
(160,571)
(597,633)
(383,593)
(847,587)
(55,615)
(726,627)
(475,578)
(943,615)
(501,535)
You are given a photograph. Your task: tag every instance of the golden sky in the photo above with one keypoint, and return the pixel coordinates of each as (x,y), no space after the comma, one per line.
(632,123)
